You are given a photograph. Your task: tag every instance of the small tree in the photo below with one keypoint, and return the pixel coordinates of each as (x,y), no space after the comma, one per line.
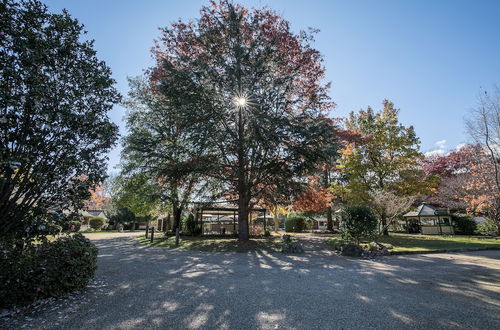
(357,222)
(387,203)
(97,223)
(386,158)
(483,126)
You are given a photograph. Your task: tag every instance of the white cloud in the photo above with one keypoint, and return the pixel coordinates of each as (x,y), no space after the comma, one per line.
(434,153)
(442,150)
(441,145)
(439,151)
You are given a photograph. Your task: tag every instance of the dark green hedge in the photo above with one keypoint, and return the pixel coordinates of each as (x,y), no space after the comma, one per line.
(45,270)
(464,225)
(295,224)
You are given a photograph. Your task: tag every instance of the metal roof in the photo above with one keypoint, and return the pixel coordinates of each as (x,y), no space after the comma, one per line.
(426,210)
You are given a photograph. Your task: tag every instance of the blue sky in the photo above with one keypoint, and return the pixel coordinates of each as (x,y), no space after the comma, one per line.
(429,57)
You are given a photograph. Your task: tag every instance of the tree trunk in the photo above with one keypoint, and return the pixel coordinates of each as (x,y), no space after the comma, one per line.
(243,219)
(177,236)
(385,229)
(177,217)
(329,219)
(276,222)
(168,223)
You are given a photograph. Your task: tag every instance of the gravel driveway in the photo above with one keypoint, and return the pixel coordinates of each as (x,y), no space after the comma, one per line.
(145,287)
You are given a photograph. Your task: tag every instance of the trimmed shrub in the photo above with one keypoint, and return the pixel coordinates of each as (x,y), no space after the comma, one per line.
(487,228)
(464,225)
(356,222)
(45,270)
(97,223)
(295,224)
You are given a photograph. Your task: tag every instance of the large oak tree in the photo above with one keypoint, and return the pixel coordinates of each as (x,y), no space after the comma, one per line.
(246,78)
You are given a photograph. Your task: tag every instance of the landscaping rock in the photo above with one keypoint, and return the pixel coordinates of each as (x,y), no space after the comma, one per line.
(351,250)
(291,247)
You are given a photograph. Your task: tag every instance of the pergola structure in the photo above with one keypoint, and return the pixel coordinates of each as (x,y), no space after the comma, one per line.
(223,219)
(429,220)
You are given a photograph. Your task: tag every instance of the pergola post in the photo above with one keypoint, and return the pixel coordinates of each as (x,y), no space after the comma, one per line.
(439,225)
(201,221)
(234,222)
(265,221)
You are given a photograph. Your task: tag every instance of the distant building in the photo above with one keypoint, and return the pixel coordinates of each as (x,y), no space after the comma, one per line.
(87,214)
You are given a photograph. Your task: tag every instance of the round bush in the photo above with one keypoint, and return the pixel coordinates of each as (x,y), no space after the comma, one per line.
(45,270)
(97,223)
(295,224)
(357,222)
(487,228)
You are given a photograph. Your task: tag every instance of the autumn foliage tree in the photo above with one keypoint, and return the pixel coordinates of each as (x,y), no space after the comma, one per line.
(386,158)
(99,199)
(317,198)
(243,76)
(452,173)
(466,181)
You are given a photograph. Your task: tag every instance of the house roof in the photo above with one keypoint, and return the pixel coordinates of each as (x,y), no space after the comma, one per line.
(426,210)
(93,213)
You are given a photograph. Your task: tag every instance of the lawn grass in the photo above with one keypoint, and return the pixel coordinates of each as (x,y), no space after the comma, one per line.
(219,244)
(405,242)
(408,242)
(109,231)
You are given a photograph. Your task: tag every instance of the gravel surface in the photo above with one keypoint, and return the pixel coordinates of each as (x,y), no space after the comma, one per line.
(141,287)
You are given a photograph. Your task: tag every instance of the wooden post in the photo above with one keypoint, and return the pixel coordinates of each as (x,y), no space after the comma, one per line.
(265,222)
(439,225)
(152,234)
(234,222)
(201,221)
(147,230)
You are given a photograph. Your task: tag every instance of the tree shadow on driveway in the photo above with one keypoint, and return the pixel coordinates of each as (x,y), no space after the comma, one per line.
(153,287)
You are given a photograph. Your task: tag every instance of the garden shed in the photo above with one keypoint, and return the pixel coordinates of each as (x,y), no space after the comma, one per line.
(429,220)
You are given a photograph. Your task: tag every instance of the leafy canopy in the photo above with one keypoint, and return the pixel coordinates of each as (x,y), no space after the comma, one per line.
(387,157)
(277,134)
(55,95)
